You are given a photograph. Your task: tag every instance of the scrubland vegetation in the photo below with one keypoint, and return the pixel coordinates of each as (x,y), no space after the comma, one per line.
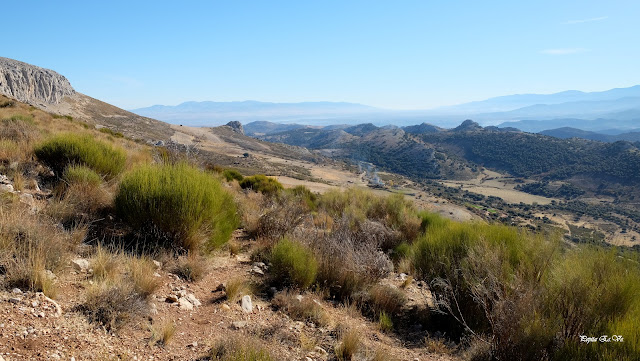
(499,292)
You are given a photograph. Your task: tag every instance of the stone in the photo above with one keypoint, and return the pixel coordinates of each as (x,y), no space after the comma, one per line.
(257,270)
(236,325)
(259,264)
(181,293)
(171,298)
(50,275)
(15,300)
(247,305)
(194,344)
(27,199)
(31,84)
(221,287)
(16,291)
(193,300)
(185,305)
(80,264)
(225,307)
(6,188)
(299,298)
(157,264)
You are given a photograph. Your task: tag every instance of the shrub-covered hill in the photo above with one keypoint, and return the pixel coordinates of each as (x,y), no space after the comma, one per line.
(526,154)
(457,153)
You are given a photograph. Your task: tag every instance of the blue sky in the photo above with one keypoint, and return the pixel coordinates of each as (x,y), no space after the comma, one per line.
(390,54)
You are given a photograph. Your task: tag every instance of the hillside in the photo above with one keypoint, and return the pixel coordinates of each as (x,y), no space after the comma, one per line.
(166,242)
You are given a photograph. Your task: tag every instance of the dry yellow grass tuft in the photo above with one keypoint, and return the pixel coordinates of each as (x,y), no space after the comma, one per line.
(162,332)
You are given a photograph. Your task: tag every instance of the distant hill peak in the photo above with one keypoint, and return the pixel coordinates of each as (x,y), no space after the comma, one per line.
(467,126)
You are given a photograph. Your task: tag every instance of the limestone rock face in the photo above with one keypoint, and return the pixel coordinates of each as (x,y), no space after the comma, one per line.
(31,84)
(236,126)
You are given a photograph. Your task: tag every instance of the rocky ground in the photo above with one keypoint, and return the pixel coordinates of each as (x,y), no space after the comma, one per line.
(35,327)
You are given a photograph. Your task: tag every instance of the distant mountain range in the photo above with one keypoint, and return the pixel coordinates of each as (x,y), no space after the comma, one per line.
(612,109)
(217,113)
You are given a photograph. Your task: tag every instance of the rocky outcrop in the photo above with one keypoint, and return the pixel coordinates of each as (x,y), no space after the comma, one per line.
(236,126)
(31,84)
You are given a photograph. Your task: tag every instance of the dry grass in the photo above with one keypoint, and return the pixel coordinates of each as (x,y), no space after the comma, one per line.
(141,272)
(112,304)
(191,267)
(302,310)
(236,288)
(437,346)
(29,246)
(383,298)
(383,355)
(236,349)
(350,344)
(162,332)
(122,285)
(105,265)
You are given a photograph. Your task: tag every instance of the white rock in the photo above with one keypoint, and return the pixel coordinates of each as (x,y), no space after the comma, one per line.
(6,188)
(247,306)
(80,264)
(157,264)
(16,291)
(192,298)
(27,199)
(299,298)
(184,304)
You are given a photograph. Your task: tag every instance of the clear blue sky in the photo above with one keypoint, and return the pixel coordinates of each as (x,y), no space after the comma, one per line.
(390,54)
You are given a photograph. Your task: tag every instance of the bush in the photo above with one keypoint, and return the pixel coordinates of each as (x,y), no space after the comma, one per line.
(65,149)
(181,201)
(231,174)
(112,304)
(111,132)
(307,196)
(293,263)
(261,183)
(79,174)
(394,212)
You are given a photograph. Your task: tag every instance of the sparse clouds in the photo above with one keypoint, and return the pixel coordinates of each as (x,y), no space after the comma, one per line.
(563,51)
(590,20)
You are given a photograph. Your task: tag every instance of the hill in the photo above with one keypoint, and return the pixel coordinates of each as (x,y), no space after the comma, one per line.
(568,132)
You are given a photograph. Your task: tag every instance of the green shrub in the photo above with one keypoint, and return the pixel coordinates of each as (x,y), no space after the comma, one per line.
(183,202)
(261,183)
(65,149)
(304,193)
(111,132)
(393,211)
(293,263)
(231,174)
(384,322)
(595,292)
(79,174)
